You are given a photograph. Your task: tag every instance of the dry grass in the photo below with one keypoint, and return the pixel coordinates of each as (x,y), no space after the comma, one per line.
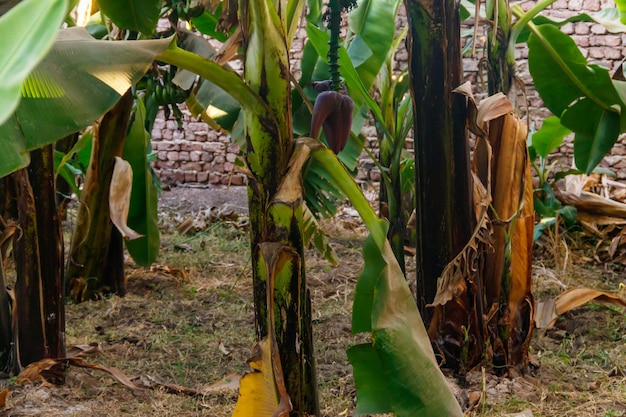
(189,321)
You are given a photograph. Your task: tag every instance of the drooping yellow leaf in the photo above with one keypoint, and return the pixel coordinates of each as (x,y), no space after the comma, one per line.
(119,198)
(258,396)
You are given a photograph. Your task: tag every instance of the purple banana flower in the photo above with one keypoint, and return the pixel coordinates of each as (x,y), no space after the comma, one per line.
(333,112)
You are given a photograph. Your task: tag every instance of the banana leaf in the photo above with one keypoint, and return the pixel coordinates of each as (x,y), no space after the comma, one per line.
(28,31)
(138,15)
(77,82)
(143,215)
(562,77)
(397,372)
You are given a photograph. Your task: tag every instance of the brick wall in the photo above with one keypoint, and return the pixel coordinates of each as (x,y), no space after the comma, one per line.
(198,154)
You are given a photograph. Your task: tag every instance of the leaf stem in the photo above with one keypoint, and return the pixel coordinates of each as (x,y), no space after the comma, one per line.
(227,80)
(524,19)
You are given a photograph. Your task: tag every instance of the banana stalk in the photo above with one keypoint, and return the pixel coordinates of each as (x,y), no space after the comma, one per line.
(275,199)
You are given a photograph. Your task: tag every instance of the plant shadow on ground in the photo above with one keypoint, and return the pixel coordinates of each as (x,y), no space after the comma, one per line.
(189,320)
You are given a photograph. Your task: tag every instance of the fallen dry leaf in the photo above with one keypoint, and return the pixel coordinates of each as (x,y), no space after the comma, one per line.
(32,372)
(3,397)
(120,376)
(223,349)
(547,312)
(229,382)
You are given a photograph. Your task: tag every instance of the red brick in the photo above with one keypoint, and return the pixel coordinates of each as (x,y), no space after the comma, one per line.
(190,177)
(214,177)
(237,180)
(581,28)
(202,177)
(191,166)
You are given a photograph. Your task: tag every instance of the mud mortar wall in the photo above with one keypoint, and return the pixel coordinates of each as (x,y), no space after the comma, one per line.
(199,154)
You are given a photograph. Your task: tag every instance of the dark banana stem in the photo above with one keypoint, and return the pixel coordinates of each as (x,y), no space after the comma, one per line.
(334,25)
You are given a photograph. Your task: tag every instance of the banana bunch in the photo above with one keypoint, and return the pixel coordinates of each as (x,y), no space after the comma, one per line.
(166,93)
(159,86)
(160,91)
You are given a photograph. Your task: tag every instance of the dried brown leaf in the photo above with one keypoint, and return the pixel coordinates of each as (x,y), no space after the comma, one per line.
(120,376)
(472,109)
(119,198)
(451,282)
(84,350)
(228,50)
(547,312)
(32,372)
(579,296)
(290,190)
(491,108)
(229,382)
(4,394)
(592,203)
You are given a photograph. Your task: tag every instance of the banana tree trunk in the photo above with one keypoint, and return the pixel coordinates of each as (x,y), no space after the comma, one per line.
(39,318)
(444,218)
(275,217)
(6,329)
(93,255)
(29,336)
(50,240)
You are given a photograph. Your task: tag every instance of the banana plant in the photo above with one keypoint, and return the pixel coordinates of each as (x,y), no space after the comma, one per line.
(569,87)
(51,107)
(396,192)
(274,163)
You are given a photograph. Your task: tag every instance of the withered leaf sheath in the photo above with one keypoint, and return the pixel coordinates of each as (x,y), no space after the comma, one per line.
(333,112)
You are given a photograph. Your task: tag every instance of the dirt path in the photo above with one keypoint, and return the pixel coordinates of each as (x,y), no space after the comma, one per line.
(193,199)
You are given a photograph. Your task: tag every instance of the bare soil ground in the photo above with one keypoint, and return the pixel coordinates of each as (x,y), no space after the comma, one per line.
(189,321)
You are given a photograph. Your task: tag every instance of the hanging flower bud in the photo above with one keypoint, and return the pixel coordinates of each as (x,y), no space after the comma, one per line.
(333,112)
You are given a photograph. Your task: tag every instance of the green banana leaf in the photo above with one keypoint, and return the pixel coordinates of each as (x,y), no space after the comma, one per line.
(138,15)
(207,24)
(397,372)
(68,167)
(314,235)
(561,73)
(549,137)
(608,17)
(142,215)
(28,31)
(415,383)
(562,76)
(373,22)
(596,131)
(77,82)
